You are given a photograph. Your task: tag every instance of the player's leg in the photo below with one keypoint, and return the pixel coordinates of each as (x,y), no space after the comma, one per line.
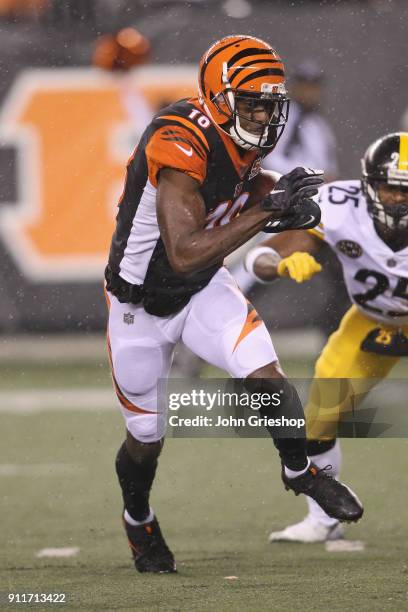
(317,526)
(225,330)
(299,473)
(140,354)
(341,358)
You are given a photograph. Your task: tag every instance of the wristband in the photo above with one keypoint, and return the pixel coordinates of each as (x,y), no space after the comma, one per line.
(253,254)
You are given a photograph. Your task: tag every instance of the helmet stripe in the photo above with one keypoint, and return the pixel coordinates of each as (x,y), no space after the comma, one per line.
(403,153)
(234,42)
(260,73)
(208,60)
(251,63)
(247,54)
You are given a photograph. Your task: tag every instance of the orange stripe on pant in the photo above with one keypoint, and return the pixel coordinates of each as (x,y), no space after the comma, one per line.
(123,400)
(252,321)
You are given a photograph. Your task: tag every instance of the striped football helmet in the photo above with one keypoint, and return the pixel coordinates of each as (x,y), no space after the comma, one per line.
(243,71)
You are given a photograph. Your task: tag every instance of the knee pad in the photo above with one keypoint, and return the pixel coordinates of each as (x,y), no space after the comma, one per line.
(135,374)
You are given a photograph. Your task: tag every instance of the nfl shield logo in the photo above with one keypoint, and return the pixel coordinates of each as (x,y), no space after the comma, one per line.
(128,318)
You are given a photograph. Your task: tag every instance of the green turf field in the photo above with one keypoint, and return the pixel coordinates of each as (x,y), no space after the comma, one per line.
(217,500)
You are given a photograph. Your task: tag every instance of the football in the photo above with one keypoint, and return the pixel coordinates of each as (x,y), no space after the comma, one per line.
(262,184)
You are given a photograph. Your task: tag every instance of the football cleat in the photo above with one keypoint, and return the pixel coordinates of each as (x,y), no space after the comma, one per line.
(335,498)
(308,531)
(149,549)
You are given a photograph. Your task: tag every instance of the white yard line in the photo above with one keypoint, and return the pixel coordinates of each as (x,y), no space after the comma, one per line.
(53,347)
(345,546)
(37,469)
(70,551)
(72,347)
(42,400)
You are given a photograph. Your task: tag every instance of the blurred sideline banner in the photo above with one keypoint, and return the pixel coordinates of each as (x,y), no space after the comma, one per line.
(72,131)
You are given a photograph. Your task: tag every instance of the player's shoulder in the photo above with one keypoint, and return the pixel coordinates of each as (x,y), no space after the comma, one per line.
(340,204)
(178,138)
(180,108)
(186,116)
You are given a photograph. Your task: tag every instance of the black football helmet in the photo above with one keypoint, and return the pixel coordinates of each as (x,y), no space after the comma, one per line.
(386,161)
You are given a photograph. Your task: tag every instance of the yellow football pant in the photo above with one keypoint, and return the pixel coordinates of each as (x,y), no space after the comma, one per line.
(342,358)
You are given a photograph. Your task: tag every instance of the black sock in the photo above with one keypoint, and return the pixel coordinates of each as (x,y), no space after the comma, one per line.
(136,480)
(292,452)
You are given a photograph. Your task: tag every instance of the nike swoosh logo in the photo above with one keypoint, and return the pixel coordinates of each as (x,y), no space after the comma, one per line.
(311,218)
(188,152)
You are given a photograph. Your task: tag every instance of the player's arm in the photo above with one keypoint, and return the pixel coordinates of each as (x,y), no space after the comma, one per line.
(181,218)
(287,254)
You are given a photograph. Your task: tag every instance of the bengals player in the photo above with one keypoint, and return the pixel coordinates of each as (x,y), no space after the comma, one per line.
(185,206)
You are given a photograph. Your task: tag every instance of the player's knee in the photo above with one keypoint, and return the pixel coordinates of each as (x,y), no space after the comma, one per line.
(134,374)
(142,452)
(146,428)
(272,370)
(271,380)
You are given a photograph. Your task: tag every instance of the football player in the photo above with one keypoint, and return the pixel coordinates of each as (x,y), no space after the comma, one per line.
(366,224)
(196,167)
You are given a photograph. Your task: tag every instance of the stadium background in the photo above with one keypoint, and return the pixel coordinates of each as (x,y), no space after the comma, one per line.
(61,169)
(61,166)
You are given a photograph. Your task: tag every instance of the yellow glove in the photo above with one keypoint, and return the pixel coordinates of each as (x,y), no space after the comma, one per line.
(298,266)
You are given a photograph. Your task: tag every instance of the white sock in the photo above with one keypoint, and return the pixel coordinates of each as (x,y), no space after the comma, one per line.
(131,521)
(331,457)
(293,473)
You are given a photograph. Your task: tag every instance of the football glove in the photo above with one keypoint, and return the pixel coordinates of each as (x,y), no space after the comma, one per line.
(292,197)
(298,266)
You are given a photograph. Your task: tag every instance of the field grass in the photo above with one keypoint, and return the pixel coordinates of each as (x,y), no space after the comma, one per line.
(217,500)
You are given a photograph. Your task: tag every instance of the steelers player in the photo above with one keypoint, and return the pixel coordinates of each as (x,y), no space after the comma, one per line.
(190,177)
(366,224)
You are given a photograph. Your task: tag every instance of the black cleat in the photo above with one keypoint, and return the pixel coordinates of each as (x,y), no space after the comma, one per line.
(149,549)
(337,500)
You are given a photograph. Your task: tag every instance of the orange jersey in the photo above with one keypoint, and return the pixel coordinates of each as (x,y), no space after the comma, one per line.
(181,137)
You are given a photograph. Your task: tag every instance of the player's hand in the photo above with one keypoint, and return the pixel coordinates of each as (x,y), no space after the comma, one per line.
(298,266)
(299,184)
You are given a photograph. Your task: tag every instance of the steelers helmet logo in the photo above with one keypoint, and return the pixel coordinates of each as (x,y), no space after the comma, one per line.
(349,248)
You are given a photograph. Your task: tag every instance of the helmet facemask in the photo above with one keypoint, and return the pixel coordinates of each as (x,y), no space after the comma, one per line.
(272,98)
(264,134)
(394,217)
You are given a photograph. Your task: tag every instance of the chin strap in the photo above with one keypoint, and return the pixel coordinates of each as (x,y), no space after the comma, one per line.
(239,141)
(245,139)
